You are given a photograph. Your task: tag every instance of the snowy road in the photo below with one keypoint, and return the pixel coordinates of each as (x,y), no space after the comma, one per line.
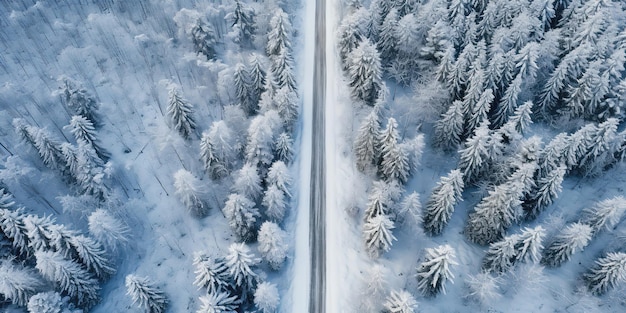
(317,300)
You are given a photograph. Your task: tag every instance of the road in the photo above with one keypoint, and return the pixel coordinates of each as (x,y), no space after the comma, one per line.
(317,229)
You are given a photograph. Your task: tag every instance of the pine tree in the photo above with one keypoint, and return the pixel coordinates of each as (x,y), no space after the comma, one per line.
(179,112)
(440,206)
(70,155)
(78,100)
(438,41)
(92,256)
(13,227)
(521,119)
(17,284)
(241,215)
(38,232)
(218,149)
(241,82)
(279,35)
(606,214)
(387,41)
(434,272)
(381,199)
(501,255)
(243,22)
(365,72)
(475,154)
(479,112)
(378,235)
(410,211)
(282,70)
(241,264)
(257,74)
(266,298)
(349,37)
(394,161)
(84,130)
(204,39)
(546,191)
(494,214)
(273,244)
(261,136)
(49,149)
(287,106)
(367,143)
(219,302)
(568,241)
(60,239)
(45,302)
(508,103)
(529,244)
(191,192)
(279,176)
(275,203)
(92,172)
(145,294)
(607,273)
(599,147)
(211,273)
(247,182)
(449,128)
(283,148)
(400,302)
(108,230)
(483,287)
(70,277)
(375,287)
(6,199)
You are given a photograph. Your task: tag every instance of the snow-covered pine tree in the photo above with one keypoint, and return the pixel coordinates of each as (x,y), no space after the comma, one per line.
(529,245)
(145,294)
(381,198)
(544,10)
(449,128)
(410,211)
(257,74)
(108,230)
(387,42)
(71,160)
(211,273)
(367,142)
(219,302)
(191,192)
(475,153)
(437,41)
(494,214)
(218,149)
(204,39)
(434,272)
(287,106)
(508,102)
(279,35)
(241,215)
(440,206)
(180,114)
(78,100)
(606,214)
(282,70)
(262,133)
(266,298)
(573,238)
(38,231)
(61,239)
(394,160)
(545,192)
(241,82)
(6,199)
(243,23)
(91,254)
(378,236)
(92,173)
(479,112)
(483,287)
(12,226)
(400,301)
(601,147)
(247,182)
(501,255)
(49,149)
(17,283)
(283,148)
(275,203)
(279,176)
(349,35)
(402,67)
(375,286)
(45,302)
(69,277)
(607,272)
(83,129)
(365,72)
(521,119)
(241,264)
(273,244)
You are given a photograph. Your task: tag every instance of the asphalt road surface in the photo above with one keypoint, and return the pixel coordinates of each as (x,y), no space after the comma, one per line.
(317,236)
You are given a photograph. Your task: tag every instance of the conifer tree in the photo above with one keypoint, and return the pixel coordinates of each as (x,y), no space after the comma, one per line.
(17,284)
(92,172)
(13,227)
(283,148)
(400,301)
(521,118)
(275,203)
(69,277)
(349,37)
(243,22)
(475,153)
(273,244)
(607,272)
(266,298)
(279,35)
(241,264)
(501,255)
(179,112)
(410,211)
(218,150)
(378,235)
(449,128)
(78,100)
(546,191)
(49,149)
(211,273)
(381,198)
(241,215)
(6,199)
(529,245)
(367,143)
(394,160)
(606,214)
(568,241)
(364,72)
(45,302)
(279,176)
(282,70)
(287,106)
(440,206)
(248,182)
(437,41)
(220,301)
(91,254)
(204,39)
(494,214)
(191,192)
(241,82)
(145,294)
(479,112)
(508,102)
(261,136)
(108,230)
(257,74)
(84,130)
(38,232)
(387,41)
(435,271)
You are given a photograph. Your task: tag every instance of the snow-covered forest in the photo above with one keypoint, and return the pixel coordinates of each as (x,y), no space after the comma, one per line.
(486,157)
(148,152)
